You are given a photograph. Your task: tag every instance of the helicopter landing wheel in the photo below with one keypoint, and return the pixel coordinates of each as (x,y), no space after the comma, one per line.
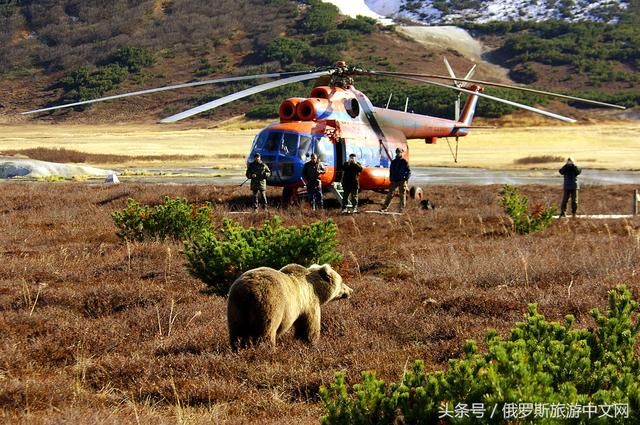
(416,193)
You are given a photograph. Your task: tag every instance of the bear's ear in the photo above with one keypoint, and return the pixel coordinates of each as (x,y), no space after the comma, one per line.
(325,272)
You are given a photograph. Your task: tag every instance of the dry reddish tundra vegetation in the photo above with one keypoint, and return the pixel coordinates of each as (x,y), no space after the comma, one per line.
(96,330)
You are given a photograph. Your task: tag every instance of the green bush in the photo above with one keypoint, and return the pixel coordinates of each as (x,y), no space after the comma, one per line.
(359,24)
(219,256)
(133,58)
(174,219)
(541,364)
(263,111)
(84,84)
(517,207)
(285,50)
(320,17)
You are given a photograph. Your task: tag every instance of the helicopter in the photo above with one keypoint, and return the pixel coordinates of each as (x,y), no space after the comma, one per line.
(337,120)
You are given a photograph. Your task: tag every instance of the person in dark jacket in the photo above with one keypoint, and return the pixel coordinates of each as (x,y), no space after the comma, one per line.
(399,173)
(311,173)
(570,171)
(350,183)
(258,172)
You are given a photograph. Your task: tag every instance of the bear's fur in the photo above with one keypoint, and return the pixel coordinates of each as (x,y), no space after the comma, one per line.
(264,303)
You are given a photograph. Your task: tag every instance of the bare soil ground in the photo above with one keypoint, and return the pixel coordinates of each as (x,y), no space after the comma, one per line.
(609,145)
(95,330)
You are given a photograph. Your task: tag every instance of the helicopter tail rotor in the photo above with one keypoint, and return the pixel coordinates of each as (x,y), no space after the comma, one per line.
(459,84)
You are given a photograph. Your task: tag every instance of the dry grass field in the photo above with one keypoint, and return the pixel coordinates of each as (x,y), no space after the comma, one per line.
(94,330)
(613,145)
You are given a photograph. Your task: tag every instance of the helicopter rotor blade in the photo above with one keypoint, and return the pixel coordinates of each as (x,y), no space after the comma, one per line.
(492,84)
(497,99)
(456,105)
(451,73)
(165,88)
(470,73)
(239,95)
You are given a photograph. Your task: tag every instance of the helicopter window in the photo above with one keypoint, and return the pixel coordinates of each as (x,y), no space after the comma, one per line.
(259,141)
(289,144)
(304,150)
(273,141)
(324,150)
(353,107)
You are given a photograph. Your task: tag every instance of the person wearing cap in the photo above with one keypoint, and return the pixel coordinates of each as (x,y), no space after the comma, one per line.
(350,183)
(258,172)
(399,173)
(570,171)
(311,172)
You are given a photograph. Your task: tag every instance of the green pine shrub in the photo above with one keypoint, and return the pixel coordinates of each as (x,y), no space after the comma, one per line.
(174,219)
(135,59)
(539,363)
(218,256)
(517,207)
(85,83)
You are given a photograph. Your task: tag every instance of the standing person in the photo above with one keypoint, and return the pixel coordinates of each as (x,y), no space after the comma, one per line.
(258,172)
(570,171)
(350,183)
(399,173)
(311,173)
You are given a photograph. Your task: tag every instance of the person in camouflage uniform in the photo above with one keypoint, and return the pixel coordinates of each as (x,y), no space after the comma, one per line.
(258,172)
(311,173)
(399,173)
(350,183)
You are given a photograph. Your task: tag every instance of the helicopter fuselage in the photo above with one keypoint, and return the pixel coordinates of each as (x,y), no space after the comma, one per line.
(335,122)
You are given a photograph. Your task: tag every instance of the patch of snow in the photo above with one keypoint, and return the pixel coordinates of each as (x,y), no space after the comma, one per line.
(354,8)
(22,167)
(384,7)
(498,10)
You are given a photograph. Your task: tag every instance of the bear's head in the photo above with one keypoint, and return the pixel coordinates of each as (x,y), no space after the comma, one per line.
(327,283)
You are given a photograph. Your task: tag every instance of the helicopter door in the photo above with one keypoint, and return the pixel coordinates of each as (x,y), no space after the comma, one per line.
(341,158)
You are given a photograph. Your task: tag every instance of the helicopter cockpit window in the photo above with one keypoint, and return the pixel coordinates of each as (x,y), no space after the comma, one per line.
(324,150)
(259,141)
(273,141)
(304,150)
(289,144)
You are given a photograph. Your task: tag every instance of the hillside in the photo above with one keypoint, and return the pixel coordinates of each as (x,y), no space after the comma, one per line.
(58,51)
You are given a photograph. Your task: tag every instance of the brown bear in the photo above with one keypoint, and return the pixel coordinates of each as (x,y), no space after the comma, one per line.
(264,303)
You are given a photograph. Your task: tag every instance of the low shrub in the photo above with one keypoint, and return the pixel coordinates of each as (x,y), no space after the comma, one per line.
(539,159)
(359,24)
(174,219)
(219,256)
(586,375)
(135,59)
(84,83)
(517,207)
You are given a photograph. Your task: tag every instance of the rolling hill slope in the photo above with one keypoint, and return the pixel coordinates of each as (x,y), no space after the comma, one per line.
(57,51)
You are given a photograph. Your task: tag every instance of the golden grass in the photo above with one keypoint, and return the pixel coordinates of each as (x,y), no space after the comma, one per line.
(95,330)
(607,145)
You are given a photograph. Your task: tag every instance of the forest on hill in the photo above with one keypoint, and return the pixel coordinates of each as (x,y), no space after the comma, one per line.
(70,50)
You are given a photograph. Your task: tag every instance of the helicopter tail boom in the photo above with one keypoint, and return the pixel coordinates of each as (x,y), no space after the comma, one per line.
(469,109)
